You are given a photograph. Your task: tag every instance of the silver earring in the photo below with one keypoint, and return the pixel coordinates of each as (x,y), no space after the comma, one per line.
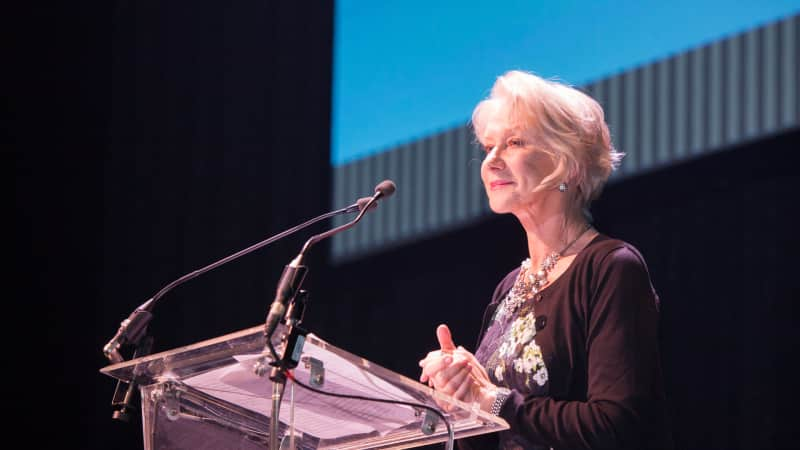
(562,187)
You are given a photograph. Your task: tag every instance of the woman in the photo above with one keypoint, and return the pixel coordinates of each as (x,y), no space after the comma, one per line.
(569,352)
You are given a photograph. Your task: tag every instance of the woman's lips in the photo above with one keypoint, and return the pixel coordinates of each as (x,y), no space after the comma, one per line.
(498,184)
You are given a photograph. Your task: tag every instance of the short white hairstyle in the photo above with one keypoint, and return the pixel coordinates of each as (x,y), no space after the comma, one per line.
(562,122)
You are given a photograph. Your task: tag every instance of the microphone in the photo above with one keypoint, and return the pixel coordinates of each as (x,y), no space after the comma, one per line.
(294,273)
(362,203)
(384,189)
(133,328)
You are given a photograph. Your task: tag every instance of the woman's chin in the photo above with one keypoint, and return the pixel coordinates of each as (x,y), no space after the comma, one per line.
(499,207)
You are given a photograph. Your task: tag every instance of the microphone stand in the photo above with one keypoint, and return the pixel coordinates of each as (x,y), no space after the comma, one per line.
(288,292)
(133,330)
(123,403)
(293,342)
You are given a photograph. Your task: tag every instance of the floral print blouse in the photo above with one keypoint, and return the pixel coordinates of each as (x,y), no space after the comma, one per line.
(513,359)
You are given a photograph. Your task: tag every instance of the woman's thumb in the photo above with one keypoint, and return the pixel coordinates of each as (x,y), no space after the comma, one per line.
(445,338)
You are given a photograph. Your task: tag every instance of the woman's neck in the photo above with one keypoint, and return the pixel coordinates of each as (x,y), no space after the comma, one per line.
(550,231)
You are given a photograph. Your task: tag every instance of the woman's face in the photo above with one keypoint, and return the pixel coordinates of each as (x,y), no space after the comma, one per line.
(512,168)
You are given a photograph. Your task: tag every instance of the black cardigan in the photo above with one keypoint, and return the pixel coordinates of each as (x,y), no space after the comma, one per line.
(600,345)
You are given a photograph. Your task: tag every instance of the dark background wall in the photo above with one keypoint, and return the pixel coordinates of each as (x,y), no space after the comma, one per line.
(151,139)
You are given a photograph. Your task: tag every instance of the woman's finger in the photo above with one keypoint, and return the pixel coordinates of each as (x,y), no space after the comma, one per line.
(478,372)
(430,356)
(463,390)
(441,378)
(435,365)
(460,378)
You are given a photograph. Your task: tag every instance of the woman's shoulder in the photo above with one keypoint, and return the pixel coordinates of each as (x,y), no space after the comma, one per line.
(611,262)
(605,250)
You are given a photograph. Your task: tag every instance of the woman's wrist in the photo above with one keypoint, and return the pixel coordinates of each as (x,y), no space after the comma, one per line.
(493,399)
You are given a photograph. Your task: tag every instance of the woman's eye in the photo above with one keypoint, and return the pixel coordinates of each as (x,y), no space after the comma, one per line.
(515,142)
(488,148)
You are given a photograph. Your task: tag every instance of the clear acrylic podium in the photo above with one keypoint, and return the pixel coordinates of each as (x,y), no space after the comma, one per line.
(208,396)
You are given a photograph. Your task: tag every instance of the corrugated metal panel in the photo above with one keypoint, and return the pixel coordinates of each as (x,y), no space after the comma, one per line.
(733,97)
(648,103)
(629,126)
(664,117)
(698,100)
(383,223)
(789,74)
(405,192)
(391,208)
(680,110)
(716,95)
(752,87)
(418,187)
(770,81)
(364,184)
(448,156)
(461,175)
(433,192)
(371,176)
(693,103)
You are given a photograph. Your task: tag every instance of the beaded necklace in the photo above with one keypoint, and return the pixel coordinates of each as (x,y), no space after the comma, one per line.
(529,284)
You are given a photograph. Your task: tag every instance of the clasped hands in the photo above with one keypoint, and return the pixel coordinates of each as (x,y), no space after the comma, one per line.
(456,372)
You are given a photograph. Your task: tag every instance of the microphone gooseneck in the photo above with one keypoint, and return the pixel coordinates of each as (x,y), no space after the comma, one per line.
(384,189)
(133,328)
(295,271)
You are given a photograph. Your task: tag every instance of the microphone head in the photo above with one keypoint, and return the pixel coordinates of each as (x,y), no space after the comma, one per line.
(385,188)
(363,201)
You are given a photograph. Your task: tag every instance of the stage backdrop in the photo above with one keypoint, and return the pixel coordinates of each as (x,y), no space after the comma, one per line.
(156,139)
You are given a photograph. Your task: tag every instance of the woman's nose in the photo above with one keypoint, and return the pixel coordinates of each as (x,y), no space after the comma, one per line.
(493,158)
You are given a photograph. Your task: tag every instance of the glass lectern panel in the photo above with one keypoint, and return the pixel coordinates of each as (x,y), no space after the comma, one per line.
(209,395)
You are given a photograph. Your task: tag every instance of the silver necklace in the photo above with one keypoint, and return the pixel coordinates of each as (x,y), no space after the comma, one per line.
(529,283)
